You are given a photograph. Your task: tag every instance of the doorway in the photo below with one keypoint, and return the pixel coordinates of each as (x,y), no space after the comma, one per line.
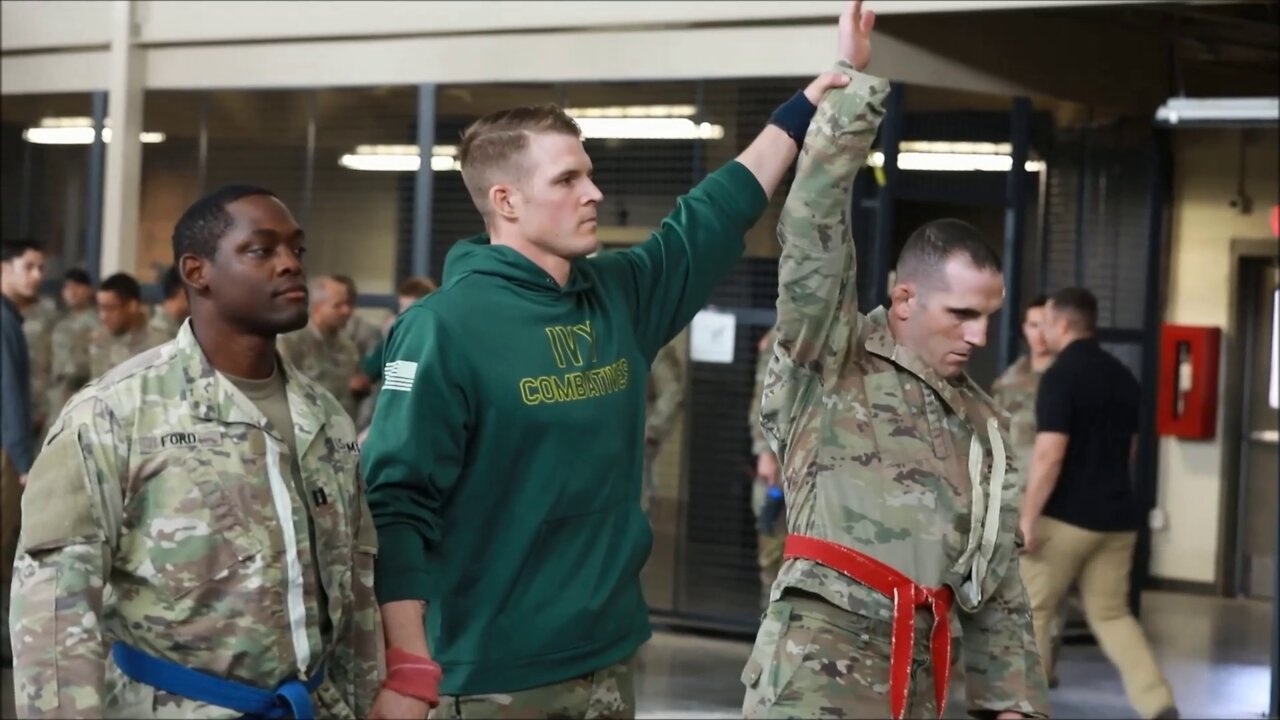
(1254,397)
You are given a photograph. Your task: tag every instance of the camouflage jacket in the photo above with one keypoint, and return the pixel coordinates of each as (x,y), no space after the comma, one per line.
(330,361)
(70,362)
(664,395)
(163,324)
(362,333)
(158,515)
(758,442)
(1015,394)
(38,321)
(878,452)
(107,351)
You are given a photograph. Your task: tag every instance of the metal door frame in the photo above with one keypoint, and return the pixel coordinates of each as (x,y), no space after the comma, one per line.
(1242,250)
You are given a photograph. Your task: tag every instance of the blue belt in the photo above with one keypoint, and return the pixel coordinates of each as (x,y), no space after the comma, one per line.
(292,698)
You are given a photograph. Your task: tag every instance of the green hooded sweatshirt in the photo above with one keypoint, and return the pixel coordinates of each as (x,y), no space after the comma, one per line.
(505,456)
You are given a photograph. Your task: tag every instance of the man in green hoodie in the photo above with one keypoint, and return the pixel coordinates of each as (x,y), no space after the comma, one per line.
(504,458)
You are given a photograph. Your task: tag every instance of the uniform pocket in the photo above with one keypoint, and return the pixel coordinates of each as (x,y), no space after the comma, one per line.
(190,529)
(782,645)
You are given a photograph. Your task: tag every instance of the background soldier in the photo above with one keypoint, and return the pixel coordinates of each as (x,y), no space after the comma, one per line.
(125,331)
(1015,394)
(21,267)
(771,526)
(39,316)
(199,507)
(172,310)
(71,339)
(664,396)
(321,351)
(900,498)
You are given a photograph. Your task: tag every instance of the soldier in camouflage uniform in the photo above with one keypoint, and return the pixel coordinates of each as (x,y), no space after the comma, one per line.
(1014,393)
(663,398)
(169,314)
(366,336)
(902,502)
(38,320)
(321,351)
(70,340)
(124,330)
(768,543)
(196,532)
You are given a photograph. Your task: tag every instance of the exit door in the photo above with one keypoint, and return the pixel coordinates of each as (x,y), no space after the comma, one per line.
(1259,447)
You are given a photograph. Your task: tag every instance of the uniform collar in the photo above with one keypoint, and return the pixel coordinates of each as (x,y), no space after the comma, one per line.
(213,397)
(959,395)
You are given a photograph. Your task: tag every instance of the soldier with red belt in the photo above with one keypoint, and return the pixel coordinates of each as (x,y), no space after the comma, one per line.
(902,492)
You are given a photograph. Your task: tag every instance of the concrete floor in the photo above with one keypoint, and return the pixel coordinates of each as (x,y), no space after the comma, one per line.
(1215,653)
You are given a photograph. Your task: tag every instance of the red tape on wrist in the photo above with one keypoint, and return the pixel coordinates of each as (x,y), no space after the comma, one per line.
(413,676)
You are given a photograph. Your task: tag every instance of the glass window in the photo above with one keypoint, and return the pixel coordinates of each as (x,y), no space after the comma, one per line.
(362,190)
(45,142)
(171,174)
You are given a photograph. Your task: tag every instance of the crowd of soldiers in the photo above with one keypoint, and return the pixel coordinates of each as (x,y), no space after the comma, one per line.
(94,329)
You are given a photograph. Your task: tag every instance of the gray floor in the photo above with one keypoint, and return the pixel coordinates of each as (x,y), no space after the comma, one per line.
(1215,653)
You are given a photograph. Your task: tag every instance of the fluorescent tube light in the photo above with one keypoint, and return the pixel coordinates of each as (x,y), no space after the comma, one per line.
(633,111)
(954,161)
(647,128)
(76,131)
(1217,112)
(400,158)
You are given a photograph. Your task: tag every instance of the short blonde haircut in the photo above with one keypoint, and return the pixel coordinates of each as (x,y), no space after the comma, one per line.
(494,146)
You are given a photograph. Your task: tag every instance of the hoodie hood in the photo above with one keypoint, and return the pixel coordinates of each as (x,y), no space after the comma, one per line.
(477,256)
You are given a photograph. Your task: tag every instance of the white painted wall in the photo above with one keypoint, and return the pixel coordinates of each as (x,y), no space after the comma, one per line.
(1203,226)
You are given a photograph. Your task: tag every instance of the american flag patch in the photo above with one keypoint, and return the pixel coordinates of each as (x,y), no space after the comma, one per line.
(398,375)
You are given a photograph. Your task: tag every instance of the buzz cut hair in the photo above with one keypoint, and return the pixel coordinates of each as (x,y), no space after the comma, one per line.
(123,286)
(1079,306)
(937,241)
(493,147)
(207,220)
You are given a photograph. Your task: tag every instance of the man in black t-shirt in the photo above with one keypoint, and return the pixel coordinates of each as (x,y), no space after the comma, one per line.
(1080,515)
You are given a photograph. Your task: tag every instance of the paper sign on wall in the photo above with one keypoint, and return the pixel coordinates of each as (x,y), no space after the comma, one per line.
(711,336)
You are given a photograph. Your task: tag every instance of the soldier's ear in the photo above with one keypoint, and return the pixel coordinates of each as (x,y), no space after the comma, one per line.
(193,270)
(900,298)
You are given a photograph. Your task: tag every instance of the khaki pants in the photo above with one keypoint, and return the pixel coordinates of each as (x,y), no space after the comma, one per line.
(607,693)
(1100,563)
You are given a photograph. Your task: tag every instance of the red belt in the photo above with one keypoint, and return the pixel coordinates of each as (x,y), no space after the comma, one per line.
(906,596)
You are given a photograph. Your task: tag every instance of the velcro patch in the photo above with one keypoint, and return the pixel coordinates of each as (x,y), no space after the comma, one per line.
(398,375)
(179,439)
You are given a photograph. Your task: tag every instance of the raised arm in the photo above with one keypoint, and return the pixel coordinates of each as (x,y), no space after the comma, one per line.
(670,277)
(817,297)
(817,294)
(71,512)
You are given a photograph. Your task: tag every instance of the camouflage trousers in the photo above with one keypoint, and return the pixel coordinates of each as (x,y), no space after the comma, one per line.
(814,660)
(607,693)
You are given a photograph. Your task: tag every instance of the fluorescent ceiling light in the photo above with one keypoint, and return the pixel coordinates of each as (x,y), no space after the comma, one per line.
(400,158)
(954,161)
(648,128)
(633,111)
(1209,112)
(76,131)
